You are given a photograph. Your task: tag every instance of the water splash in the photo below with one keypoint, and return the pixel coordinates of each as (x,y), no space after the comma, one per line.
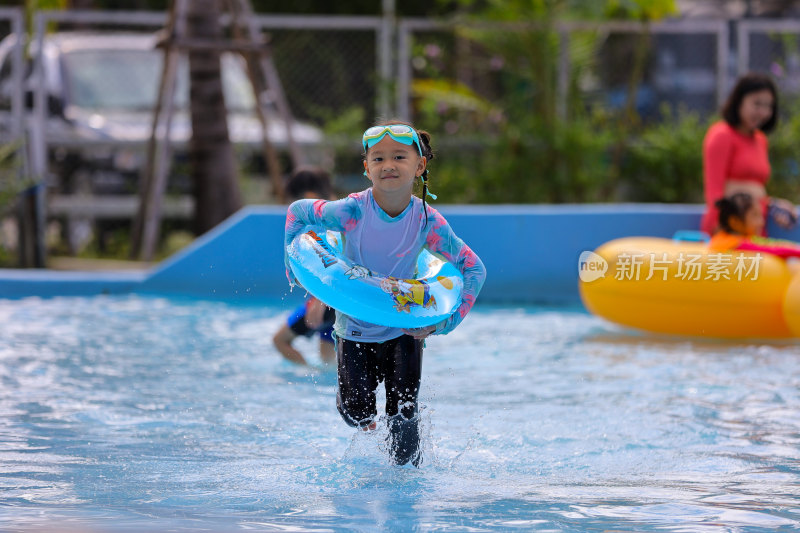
(151,414)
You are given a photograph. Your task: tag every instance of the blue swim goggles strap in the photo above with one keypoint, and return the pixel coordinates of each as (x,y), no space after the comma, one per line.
(401,133)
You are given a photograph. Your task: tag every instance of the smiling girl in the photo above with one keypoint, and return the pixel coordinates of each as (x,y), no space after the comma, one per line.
(385,228)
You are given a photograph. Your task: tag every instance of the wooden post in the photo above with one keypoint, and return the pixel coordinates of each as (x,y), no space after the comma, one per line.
(257,80)
(148,220)
(273,80)
(30,213)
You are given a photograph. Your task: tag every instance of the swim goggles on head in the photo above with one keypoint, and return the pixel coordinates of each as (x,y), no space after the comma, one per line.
(401,133)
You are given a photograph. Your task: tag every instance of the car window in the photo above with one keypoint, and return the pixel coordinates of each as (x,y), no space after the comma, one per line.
(112,79)
(129,80)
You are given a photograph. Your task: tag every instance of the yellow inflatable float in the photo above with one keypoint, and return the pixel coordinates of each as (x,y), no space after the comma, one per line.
(683,288)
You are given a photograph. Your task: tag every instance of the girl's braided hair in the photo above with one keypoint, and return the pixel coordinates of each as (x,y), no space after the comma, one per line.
(427,153)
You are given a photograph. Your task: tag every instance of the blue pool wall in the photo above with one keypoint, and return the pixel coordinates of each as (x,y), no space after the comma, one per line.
(530,252)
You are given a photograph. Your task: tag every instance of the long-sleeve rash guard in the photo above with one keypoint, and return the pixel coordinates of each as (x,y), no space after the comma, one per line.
(388,246)
(729,155)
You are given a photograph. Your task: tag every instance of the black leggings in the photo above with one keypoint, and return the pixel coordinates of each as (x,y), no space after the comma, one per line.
(396,362)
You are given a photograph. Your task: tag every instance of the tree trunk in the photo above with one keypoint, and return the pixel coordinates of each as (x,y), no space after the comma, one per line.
(213,164)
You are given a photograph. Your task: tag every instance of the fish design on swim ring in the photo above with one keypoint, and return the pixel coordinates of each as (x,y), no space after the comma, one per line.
(358,272)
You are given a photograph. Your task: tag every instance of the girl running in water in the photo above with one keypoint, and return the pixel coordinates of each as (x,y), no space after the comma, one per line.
(384,228)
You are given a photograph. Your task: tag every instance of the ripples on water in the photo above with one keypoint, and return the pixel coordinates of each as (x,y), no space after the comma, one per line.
(138,414)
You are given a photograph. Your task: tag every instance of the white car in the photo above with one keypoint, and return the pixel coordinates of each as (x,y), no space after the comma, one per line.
(101,93)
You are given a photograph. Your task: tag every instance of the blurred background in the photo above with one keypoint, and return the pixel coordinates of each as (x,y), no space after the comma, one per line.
(527,101)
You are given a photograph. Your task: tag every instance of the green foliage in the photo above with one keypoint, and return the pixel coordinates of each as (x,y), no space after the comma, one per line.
(114,244)
(408,8)
(505,139)
(34,5)
(342,134)
(518,10)
(665,162)
(31,6)
(11,184)
(7,258)
(174,242)
(784,158)
(347,124)
(323,72)
(643,10)
(581,160)
(588,160)
(451,94)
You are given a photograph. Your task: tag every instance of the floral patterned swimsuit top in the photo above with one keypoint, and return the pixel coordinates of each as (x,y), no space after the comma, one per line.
(388,246)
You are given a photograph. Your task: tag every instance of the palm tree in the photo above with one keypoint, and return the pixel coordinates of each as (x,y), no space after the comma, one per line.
(213,164)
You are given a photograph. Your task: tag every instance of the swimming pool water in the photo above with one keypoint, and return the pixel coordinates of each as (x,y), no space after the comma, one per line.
(138,414)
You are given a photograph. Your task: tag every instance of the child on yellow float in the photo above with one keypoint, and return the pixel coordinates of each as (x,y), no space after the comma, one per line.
(741,223)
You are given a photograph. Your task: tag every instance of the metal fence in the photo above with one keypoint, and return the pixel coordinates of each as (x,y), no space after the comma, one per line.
(330,64)
(686,63)
(327,66)
(462,81)
(771,46)
(339,73)
(689,64)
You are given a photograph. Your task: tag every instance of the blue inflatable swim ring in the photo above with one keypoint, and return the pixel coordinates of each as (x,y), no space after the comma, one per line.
(317,260)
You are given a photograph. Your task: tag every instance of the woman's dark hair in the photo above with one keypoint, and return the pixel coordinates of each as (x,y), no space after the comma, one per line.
(736,205)
(750,83)
(427,153)
(309,180)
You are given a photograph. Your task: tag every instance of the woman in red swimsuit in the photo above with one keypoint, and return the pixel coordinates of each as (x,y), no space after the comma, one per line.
(735,156)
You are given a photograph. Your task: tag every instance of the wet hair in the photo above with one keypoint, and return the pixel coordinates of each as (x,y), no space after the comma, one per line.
(737,205)
(427,153)
(309,180)
(750,83)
